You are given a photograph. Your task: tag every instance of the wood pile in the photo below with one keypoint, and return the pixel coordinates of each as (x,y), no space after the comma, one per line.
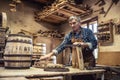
(58,12)
(52,34)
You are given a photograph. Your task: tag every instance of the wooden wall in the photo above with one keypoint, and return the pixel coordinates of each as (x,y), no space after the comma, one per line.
(109,58)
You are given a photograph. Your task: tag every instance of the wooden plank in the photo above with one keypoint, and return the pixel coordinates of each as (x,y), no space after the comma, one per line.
(65,13)
(51,12)
(4,19)
(73,57)
(53,78)
(74,8)
(22,30)
(53,18)
(42,1)
(50,20)
(68,11)
(80,58)
(14,78)
(77,58)
(114,57)
(58,17)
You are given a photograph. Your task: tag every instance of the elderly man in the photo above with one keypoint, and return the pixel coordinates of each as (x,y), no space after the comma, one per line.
(78,36)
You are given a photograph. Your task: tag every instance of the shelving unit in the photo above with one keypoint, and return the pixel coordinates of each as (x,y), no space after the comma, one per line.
(105,33)
(59,12)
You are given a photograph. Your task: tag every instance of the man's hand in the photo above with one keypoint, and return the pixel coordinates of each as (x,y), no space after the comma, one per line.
(46,57)
(82,44)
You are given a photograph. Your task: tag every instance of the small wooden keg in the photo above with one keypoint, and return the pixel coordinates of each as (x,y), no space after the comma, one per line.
(39,49)
(18,51)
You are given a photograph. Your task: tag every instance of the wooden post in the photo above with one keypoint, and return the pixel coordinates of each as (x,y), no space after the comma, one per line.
(77,58)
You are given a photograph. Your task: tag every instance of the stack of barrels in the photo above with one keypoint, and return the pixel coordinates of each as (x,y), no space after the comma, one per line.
(18,51)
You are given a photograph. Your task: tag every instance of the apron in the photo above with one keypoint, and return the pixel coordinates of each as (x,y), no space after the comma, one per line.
(88,57)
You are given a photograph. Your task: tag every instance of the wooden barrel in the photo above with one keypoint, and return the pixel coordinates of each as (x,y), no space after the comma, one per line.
(39,49)
(18,51)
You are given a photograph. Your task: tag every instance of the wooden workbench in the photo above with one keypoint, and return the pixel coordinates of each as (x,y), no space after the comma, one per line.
(37,72)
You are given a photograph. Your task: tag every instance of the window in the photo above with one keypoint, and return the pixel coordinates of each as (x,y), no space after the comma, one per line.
(92,24)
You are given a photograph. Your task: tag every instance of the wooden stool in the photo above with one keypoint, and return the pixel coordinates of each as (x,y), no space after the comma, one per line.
(77,58)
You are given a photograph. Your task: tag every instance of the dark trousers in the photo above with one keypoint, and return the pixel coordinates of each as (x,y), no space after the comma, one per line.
(83,77)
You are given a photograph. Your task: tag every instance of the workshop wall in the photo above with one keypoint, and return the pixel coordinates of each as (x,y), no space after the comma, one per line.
(23,18)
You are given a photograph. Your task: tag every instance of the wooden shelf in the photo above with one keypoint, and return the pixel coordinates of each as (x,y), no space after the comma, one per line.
(58,13)
(105,35)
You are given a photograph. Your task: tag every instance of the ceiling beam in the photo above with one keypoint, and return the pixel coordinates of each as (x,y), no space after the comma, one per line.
(50,20)
(69,11)
(75,9)
(42,1)
(64,12)
(58,17)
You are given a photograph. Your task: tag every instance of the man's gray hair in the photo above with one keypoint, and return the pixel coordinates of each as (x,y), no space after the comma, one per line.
(75,17)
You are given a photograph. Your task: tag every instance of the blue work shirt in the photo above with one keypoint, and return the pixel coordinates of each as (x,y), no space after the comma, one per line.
(86,35)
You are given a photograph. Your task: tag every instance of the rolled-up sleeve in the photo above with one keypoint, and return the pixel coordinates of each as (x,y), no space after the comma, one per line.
(92,40)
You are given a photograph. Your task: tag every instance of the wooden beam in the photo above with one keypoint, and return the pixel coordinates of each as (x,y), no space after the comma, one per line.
(4,19)
(57,17)
(70,11)
(75,9)
(42,1)
(22,30)
(50,20)
(54,19)
(65,13)
(51,12)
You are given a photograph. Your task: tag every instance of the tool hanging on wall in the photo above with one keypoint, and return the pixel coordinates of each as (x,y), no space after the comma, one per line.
(101,10)
(100,2)
(113,1)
